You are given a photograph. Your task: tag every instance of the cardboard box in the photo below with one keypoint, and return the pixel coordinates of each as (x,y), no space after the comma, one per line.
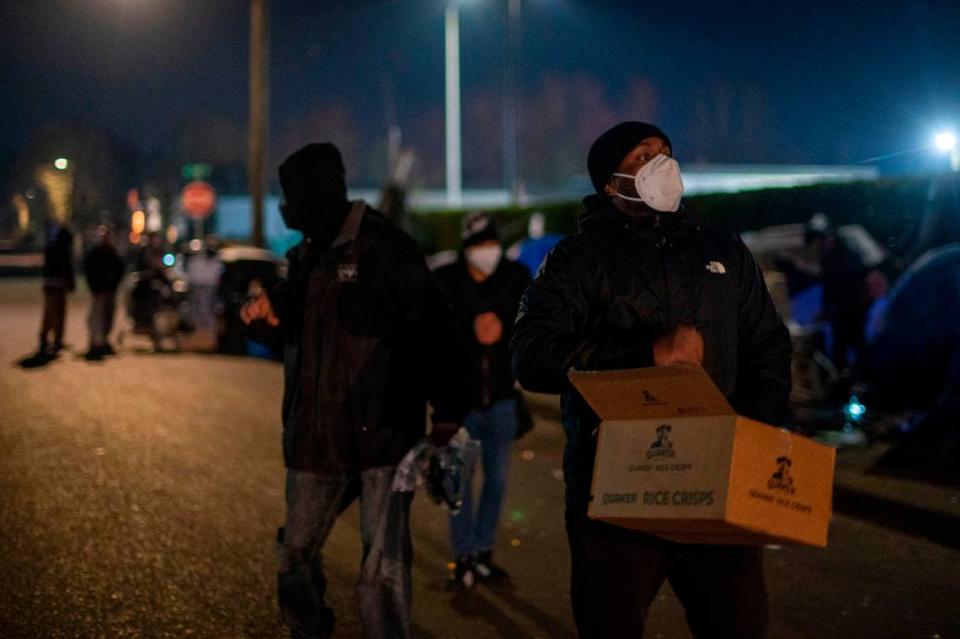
(675,460)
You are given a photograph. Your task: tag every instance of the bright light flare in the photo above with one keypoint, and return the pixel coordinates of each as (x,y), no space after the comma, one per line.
(61,163)
(854,409)
(945,141)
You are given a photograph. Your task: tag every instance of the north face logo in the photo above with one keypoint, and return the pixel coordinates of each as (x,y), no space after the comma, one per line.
(717,268)
(662,446)
(781,479)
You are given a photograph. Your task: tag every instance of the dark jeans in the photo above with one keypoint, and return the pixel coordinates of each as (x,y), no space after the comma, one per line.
(617,572)
(474,528)
(54,316)
(384,588)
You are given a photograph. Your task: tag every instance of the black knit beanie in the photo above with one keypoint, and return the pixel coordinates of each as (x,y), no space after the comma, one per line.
(610,148)
(478,227)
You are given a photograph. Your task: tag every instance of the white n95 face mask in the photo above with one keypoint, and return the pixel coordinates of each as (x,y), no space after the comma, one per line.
(658,184)
(484,258)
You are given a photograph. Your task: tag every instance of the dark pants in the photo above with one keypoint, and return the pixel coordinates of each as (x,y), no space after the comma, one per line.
(384,588)
(616,573)
(848,337)
(474,528)
(102,309)
(54,316)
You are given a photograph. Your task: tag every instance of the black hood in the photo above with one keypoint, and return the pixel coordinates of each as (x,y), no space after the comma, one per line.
(314,191)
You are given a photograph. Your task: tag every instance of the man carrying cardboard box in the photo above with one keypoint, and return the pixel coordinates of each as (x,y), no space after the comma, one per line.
(641,284)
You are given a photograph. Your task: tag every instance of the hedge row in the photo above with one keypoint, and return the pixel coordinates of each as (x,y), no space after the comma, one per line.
(890,209)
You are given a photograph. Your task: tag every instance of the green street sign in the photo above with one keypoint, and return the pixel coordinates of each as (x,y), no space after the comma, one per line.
(196,171)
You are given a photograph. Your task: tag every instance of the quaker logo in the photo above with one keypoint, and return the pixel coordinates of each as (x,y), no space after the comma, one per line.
(717,268)
(781,479)
(347,273)
(662,446)
(649,399)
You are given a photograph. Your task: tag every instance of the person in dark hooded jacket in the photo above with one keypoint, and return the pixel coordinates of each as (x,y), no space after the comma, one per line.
(641,284)
(367,339)
(104,270)
(58,280)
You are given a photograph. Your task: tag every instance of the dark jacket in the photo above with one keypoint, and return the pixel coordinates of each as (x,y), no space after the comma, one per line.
(844,282)
(58,258)
(367,339)
(607,292)
(103,268)
(491,377)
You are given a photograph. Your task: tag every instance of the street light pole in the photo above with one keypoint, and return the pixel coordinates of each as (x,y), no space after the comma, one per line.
(511,104)
(257,133)
(452,31)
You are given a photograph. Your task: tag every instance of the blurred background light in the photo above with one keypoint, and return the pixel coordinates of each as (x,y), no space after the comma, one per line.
(138,222)
(945,141)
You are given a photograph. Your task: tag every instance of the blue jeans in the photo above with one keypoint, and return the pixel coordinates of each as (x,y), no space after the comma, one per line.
(384,588)
(474,528)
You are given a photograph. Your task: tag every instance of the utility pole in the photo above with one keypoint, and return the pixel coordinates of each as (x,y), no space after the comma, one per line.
(259,105)
(452,58)
(511,104)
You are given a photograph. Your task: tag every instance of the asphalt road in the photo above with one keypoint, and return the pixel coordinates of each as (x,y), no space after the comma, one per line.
(139,497)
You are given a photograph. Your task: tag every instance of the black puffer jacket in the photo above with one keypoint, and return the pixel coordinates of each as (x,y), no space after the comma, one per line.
(607,292)
(367,339)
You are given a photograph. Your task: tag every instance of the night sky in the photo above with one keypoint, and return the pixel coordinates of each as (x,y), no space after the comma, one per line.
(749,81)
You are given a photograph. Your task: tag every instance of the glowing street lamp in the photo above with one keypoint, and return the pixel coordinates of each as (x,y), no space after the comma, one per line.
(946,142)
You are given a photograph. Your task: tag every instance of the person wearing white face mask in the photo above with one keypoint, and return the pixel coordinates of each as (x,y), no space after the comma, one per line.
(484,289)
(642,283)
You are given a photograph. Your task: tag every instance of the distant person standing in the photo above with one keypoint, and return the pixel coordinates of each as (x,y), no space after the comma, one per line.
(149,260)
(58,280)
(104,271)
(845,299)
(534,249)
(484,289)
(204,270)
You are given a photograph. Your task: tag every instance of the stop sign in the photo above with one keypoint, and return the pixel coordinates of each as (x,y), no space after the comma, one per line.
(198,199)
